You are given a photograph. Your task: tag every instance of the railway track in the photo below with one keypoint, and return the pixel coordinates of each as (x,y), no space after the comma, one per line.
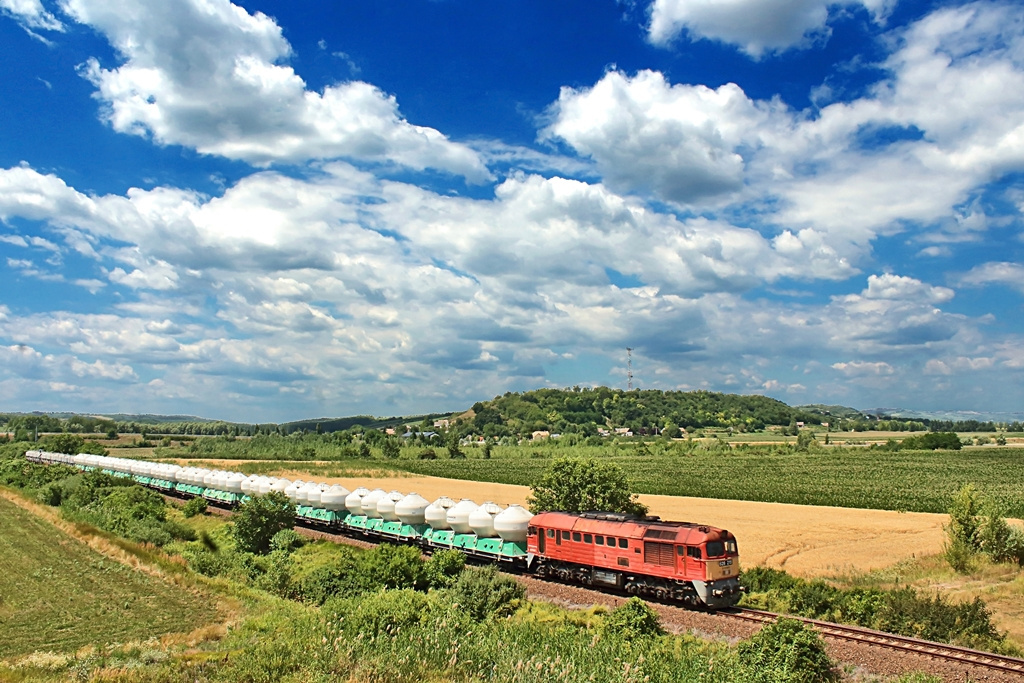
(857,634)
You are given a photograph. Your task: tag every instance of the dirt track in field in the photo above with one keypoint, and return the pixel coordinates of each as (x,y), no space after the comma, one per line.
(805,540)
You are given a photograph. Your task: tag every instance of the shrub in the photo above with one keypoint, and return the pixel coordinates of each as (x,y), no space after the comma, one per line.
(632,620)
(384,612)
(763,579)
(286,541)
(195,506)
(276,576)
(259,519)
(443,568)
(786,652)
(51,494)
(394,566)
(343,577)
(427,454)
(483,593)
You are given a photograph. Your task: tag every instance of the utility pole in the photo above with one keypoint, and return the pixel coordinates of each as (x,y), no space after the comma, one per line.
(629,369)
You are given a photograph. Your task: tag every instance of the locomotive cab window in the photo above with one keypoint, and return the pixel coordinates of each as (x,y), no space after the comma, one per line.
(551,533)
(623,542)
(531,531)
(715,548)
(693,551)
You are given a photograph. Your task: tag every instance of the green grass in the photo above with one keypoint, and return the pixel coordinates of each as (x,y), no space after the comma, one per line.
(57,594)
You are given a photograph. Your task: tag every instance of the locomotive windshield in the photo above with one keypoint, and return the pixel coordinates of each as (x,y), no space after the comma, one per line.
(719,548)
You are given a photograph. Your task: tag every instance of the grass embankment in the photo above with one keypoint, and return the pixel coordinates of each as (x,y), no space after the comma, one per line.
(58,594)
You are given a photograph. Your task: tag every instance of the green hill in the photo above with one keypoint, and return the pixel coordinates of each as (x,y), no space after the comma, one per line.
(586,410)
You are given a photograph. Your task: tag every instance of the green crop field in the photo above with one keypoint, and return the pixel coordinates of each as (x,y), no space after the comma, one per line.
(57,594)
(854,477)
(917,481)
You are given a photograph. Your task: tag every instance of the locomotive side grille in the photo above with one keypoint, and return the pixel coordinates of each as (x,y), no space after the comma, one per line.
(658,553)
(667,534)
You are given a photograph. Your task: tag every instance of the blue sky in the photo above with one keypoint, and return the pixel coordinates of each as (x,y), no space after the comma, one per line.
(273,210)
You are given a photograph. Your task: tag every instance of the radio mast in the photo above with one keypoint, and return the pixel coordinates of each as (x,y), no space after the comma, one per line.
(629,369)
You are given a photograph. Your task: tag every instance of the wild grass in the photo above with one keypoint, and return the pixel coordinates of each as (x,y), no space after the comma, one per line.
(60,595)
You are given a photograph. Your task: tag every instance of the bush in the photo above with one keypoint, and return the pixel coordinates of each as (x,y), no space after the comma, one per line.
(394,566)
(51,494)
(427,454)
(764,579)
(286,541)
(276,574)
(786,652)
(634,619)
(483,593)
(195,506)
(384,612)
(259,519)
(443,568)
(343,577)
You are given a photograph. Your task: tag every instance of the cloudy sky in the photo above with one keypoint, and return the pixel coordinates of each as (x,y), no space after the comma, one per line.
(275,210)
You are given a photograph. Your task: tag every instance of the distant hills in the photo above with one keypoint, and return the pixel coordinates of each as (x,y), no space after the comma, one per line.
(585,410)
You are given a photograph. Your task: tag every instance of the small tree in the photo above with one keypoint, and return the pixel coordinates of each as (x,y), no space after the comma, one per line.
(575,485)
(390,448)
(963,533)
(451,442)
(64,443)
(260,518)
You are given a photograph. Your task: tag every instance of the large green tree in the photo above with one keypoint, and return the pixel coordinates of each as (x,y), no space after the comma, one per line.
(578,485)
(260,518)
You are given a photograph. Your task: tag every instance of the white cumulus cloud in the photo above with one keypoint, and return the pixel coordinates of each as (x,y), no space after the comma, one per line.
(756,26)
(209,75)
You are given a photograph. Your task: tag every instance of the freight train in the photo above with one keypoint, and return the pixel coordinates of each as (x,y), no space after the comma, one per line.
(692,564)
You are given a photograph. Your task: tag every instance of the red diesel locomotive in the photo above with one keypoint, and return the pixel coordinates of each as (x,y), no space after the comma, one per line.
(691,563)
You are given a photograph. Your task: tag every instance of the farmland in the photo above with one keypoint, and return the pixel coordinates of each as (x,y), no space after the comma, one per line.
(912,481)
(59,595)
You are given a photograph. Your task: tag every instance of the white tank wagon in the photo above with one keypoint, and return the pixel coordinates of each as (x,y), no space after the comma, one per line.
(436,514)
(369,503)
(354,501)
(512,523)
(481,520)
(412,509)
(458,516)
(386,505)
(333,499)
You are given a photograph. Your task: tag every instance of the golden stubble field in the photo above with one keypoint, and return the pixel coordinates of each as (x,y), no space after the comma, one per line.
(804,540)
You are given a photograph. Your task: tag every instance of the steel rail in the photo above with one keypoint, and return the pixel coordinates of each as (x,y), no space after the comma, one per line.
(891,641)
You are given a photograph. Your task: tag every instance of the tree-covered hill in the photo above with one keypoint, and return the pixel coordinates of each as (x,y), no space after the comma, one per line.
(586,410)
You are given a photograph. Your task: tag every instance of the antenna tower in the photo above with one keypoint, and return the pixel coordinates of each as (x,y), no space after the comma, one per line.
(629,369)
